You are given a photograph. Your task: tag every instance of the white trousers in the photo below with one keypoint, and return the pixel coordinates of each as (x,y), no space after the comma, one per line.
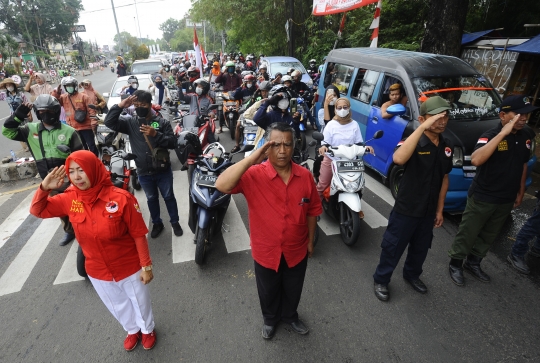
(129,302)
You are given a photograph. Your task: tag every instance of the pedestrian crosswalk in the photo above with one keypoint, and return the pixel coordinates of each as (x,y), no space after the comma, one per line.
(234,233)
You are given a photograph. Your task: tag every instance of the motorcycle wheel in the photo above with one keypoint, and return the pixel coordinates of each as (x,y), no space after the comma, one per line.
(303,141)
(395,178)
(135,180)
(81,269)
(232,127)
(201,245)
(349,225)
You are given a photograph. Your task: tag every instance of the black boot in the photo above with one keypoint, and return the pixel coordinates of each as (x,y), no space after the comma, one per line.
(472,265)
(456,271)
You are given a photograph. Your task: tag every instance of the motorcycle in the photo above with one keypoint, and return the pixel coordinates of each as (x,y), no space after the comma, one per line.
(207,206)
(231,108)
(342,198)
(203,126)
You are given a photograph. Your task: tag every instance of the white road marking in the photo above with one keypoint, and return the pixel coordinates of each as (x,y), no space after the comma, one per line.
(15,219)
(143,204)
(379,189)
(20,268)
(373,218)
(237,238)
(183,248)
(4,198)
(328,225)
(68,271)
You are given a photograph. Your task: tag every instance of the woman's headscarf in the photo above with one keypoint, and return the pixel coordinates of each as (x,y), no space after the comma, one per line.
(95,170)
(347,118)
(160,87)
(331,108)
(216,71)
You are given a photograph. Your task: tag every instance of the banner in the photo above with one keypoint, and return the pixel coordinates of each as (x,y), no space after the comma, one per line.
(327,7)
(197,49)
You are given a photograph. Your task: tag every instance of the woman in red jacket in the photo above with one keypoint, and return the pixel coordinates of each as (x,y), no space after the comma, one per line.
(111,231)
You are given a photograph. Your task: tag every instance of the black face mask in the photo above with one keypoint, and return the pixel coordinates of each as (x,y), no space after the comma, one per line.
(142,111)
(49,119)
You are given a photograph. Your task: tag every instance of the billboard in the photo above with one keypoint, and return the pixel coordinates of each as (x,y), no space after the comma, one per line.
(327,7)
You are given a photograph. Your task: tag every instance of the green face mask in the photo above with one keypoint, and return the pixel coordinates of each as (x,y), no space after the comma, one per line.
(70,89)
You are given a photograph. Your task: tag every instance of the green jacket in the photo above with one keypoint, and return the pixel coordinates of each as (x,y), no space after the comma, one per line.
(48,156)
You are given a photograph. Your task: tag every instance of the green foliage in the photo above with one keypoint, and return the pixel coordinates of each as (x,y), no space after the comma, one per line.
(140,52)
(170,26)
(8,46)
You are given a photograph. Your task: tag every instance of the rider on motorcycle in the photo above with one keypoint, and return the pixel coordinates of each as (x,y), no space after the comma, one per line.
(131,87)
(230,80)
(200,100)
(313,66)
(279,101)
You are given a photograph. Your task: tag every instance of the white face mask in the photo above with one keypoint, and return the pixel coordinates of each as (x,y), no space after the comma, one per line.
(342,112)
(70,89)
(199,91)
(248,85)
(10,88)
(283,104)
(134,85)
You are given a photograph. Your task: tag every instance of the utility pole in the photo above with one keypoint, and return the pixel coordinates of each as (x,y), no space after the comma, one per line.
(139,24)
(291,28)
(117,29)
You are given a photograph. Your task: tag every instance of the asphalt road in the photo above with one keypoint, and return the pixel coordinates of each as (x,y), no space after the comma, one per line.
(211,313)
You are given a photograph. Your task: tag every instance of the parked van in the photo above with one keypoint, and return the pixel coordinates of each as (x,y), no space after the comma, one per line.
(365,75)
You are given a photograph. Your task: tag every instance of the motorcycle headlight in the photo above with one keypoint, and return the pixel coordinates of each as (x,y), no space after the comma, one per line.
(457,159)
(251,137)
(351,187)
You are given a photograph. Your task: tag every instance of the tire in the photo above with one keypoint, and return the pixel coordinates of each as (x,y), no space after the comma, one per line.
(81,269)
(349,225)
(395,179)
(232,127)
(201,245)
(135,180)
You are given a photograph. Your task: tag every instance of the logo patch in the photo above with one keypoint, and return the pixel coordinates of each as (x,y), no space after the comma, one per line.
(111,207)
(61,137)
(155,125)
(526,100)
(528,144)
(36,136)
(137,208)
(447,151)
(482,140)
(76,207)
(503,146)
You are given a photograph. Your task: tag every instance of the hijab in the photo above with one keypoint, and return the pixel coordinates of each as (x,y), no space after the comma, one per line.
(41,89)
(95,170)
(216,71)
(332,108)
(90,91)
(160,87)
(346,119)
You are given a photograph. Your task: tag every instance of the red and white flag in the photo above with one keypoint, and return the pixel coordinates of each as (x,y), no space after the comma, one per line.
(197,48)
(203,57)
(187,55)
(482,140)
(342,25)
(21,58)
(375,26)
(327,7)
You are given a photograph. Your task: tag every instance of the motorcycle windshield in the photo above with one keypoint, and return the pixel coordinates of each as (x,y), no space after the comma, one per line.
(190,121)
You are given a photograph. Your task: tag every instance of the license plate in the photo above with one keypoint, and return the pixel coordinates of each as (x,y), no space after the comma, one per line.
(470,175)
(350,166)
(194,130)
(103,129)
(207,180)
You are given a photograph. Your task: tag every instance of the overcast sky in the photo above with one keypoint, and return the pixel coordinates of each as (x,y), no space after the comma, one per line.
(100,25)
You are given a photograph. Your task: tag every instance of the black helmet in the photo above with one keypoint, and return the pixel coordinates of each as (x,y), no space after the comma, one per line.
(204,83)
(132,79)
(188,143)
(47,102)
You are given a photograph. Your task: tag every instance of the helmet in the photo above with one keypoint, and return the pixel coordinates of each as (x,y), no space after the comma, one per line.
(279,89)
(239,54)
(261,55)
(188,143)
(265,86)
(70,81)
(290,70)
(296,74)
(132,79)
(47,102)
(249,64)
(230,64)
(249,78)
(262,66)
(187,65)
(286,78)
(204,83)
(192,70)
(312,61)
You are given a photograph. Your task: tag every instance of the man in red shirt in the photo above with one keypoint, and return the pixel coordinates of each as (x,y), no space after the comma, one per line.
(283,207)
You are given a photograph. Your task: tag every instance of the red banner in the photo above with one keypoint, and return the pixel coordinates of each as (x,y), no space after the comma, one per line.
(327,7)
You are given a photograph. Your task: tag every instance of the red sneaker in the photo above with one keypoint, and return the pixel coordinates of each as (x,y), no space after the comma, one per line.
(149,340)
(131,341)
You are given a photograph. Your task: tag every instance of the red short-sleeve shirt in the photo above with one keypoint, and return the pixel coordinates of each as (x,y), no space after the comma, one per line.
(106,229)
(278,213)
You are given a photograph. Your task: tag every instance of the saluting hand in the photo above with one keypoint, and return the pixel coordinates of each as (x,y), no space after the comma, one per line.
(507,129)
(54,179)
(127,102)
(430,121)
(260,154)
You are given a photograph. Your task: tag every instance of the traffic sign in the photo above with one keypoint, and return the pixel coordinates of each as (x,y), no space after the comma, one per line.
(78,28)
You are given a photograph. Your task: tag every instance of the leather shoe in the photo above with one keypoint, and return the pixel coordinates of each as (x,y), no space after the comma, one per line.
(381,291)
(518,263)
(156,230)
(299,327)
(68,237)
(456,275)
(268,331)
(418,285)
(472,265)
(177,229)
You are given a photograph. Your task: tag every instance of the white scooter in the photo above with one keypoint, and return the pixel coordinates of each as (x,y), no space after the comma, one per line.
(342,198)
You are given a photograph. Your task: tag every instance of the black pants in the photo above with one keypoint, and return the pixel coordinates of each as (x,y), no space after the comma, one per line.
(403,231)
(68,227)
(88,141)
(280,292)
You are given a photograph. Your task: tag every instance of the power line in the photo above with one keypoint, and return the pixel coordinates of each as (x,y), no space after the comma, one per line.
(121,6)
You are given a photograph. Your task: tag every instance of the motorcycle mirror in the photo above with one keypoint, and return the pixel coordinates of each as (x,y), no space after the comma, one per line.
(93,107)
(396,110)
(312,143)
(213,106)
(317,136)
(130,157)
(378,134)
(245,148)
(64,148)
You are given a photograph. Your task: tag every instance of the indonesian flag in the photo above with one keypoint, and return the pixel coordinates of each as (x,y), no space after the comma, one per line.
(482,140)
(1,60)
(342,25)
(375,26)
(327,7)
(197,48)
(187,55)
(21,58)
(203,56)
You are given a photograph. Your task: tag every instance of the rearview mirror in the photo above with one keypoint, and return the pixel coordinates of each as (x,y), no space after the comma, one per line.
(246,148)
(318,136)
(396,110)
(312,143)
(378,134)
(64,148)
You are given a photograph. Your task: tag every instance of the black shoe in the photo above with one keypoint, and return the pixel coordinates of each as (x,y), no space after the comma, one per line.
(157,229)
(236,148)
(534,252)
(299,327)
(472,265)
(456,272)
(268,331)
(68,237)
(184,168)
(418,285)
(381,291)
(177,229)
(518,263)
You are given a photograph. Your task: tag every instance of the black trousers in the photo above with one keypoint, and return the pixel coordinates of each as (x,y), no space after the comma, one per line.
(280,292)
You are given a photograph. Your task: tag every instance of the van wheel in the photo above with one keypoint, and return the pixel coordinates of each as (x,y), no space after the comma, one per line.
(395,178)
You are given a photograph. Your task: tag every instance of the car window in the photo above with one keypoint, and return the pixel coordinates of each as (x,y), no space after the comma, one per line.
(283,67)
(340,76)
(470,97)
(149,67)
(384,94)
(367,80)
(117,88)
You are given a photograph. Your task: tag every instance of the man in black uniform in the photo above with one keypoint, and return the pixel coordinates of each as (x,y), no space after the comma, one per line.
(501,156)
(427,158)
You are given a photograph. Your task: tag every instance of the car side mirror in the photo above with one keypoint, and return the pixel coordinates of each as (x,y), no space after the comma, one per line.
(378,134)
(318,136)
(396,110)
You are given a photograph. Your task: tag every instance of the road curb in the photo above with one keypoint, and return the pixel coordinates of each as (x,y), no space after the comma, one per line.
(18,171)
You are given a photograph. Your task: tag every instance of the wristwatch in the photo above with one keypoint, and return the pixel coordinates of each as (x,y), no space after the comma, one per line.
(147,268)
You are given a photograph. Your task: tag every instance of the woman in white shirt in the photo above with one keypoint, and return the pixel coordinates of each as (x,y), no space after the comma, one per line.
(341,130)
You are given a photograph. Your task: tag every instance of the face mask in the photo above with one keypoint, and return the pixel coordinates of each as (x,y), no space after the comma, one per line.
(198,91)
(70,90)
(142,111)
(342,113)
(10,88)
(158,82)
(49,118)
(134,85)
(283,104)
(230,69)
(248,85)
